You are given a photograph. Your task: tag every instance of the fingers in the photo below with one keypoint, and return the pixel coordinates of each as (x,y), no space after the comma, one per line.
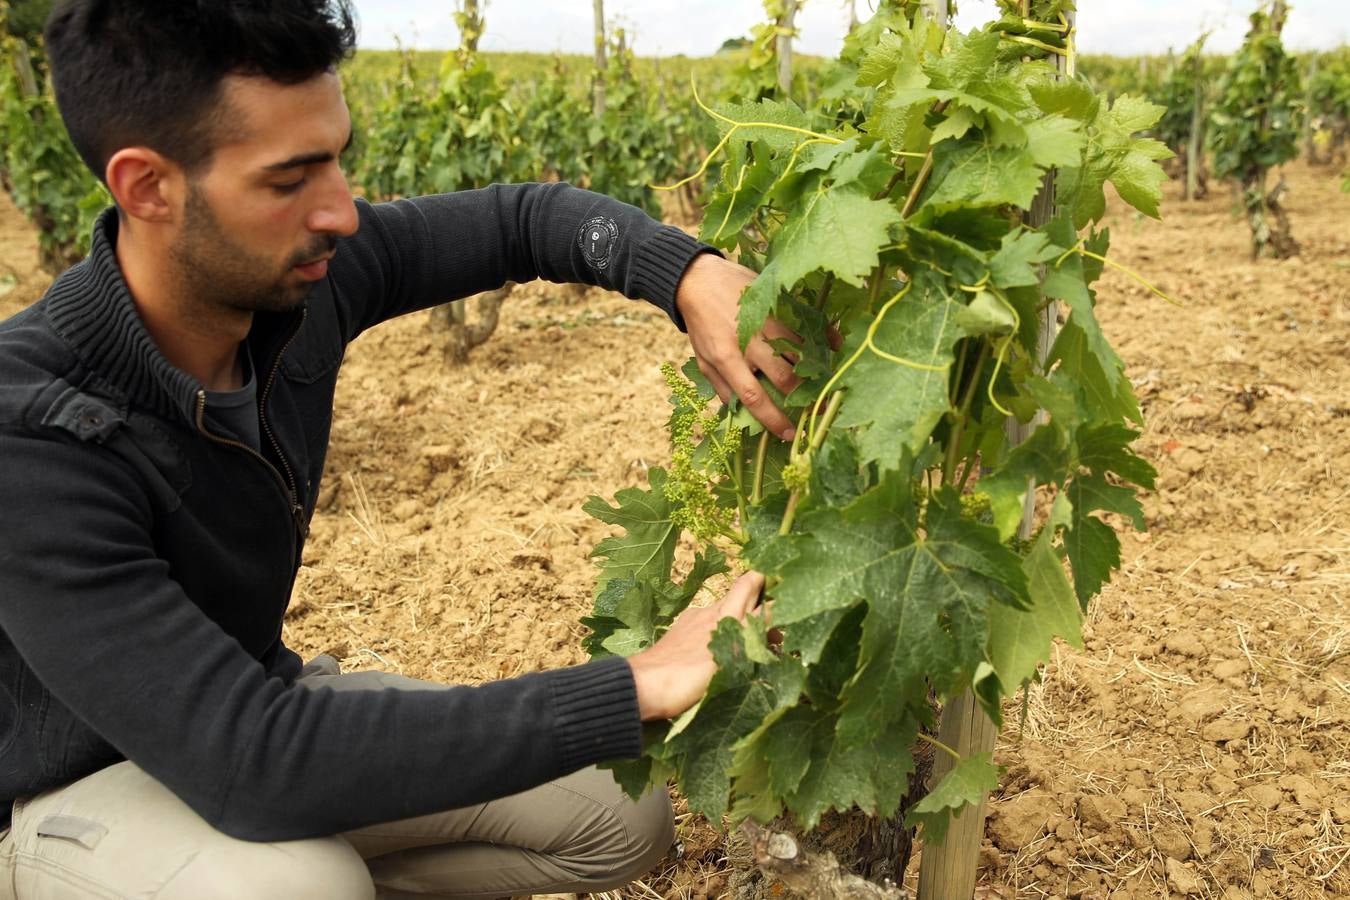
(756,399)
(777,369)
(719,384)
(743,596)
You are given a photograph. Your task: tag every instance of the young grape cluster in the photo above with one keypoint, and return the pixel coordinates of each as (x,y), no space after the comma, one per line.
(689,488)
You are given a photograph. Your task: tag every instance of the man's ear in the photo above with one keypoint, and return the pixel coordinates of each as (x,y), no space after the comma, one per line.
(146,185)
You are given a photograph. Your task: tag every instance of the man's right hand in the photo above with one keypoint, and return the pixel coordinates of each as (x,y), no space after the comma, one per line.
(672,674)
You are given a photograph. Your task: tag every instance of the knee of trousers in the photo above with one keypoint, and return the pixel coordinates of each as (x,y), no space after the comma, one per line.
(315,869)
(627,843)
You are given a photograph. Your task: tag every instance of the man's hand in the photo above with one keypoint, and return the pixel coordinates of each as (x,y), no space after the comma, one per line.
(708,297)
(672,674)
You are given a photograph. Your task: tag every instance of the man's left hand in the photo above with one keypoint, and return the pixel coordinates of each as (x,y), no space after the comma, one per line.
(708,297)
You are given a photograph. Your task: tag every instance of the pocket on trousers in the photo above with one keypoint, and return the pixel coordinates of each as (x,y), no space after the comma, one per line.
(84,832)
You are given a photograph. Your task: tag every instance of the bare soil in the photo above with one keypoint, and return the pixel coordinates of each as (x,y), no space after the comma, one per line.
(1199,746)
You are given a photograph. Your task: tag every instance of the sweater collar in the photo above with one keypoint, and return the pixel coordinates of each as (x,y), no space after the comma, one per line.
(91,308)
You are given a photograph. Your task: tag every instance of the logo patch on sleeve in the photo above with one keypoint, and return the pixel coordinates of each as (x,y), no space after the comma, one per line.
(597,238)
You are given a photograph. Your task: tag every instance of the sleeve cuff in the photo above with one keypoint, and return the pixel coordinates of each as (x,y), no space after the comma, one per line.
(660,264)
(596,713)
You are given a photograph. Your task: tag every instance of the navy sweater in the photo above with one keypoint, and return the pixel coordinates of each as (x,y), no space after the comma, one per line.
(146,563)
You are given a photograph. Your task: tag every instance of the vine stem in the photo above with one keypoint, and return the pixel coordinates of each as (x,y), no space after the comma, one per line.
(949,464)
(919,181)
(761,454)
(941,746)
(794,498)
(739,476)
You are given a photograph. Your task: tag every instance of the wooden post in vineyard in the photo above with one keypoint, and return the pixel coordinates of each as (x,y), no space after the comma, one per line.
(598,81)
(947,872)
(1309,133)
(783,47)
(1193,146)
(937,10)
(470,23)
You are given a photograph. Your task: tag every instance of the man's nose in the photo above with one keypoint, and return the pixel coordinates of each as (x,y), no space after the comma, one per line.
(336,212)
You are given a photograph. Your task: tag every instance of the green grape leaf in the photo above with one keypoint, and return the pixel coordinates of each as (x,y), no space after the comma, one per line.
(1020,639)
(985,315)
(809,637)
(742,693)
(839,230)
(1110,395)
(978,173)
(1019,255)
(837,478)
(1106,448)
(872,775)
(1130,114)
(769,762)
(1094,553)
(883,60)
(750,120)
(927,594)
(1114,154)
(1070,98)
(1092,545)
(671,598)
(1055,141)
(647,549)
(1040,459)
(901,402)
(1093,492)
(1139,179)
(636,609)
(1059,397)
(963,787)
(738,198)
(828,644)
(633,776)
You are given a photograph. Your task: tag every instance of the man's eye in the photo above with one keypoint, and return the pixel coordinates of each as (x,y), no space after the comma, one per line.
(289,187)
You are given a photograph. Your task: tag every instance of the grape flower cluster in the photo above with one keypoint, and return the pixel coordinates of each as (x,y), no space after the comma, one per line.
(692,475)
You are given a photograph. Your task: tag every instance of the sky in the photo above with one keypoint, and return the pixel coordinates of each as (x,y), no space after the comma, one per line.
(698,27)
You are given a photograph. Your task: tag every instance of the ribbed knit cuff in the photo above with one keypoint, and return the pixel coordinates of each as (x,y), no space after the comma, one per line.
(659,264)
(596,713)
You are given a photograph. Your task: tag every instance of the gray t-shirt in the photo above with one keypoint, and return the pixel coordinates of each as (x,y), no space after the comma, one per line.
(234,414)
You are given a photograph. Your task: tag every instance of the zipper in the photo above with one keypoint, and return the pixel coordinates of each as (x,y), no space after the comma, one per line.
(287,482)
(287,493)
(297,510)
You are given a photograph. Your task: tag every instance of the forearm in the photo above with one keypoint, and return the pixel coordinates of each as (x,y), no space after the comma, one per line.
(411,254)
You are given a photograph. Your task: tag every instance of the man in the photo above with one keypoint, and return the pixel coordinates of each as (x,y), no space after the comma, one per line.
(164,415)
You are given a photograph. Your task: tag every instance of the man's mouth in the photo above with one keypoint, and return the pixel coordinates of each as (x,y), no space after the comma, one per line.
(314,269)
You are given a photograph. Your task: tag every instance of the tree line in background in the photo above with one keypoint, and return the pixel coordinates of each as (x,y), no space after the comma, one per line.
(443,121)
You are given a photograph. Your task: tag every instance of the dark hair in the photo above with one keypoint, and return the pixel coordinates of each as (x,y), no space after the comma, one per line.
(149,72)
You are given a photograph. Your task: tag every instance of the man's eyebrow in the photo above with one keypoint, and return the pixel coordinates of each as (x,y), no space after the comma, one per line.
(307,159)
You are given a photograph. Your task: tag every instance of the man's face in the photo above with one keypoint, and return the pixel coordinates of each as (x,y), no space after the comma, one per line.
(260,223)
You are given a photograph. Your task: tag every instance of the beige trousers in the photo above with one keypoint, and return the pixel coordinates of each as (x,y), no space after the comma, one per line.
(118,833)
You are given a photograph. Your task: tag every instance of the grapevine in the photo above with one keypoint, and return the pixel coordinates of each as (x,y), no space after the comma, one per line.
(895,212)
(1329,107)
(1180,95)
(1255,127)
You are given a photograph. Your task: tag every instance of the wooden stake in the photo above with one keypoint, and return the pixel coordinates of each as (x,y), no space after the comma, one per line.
(948,872)
(1193,148)
(598,83)
(783,47)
